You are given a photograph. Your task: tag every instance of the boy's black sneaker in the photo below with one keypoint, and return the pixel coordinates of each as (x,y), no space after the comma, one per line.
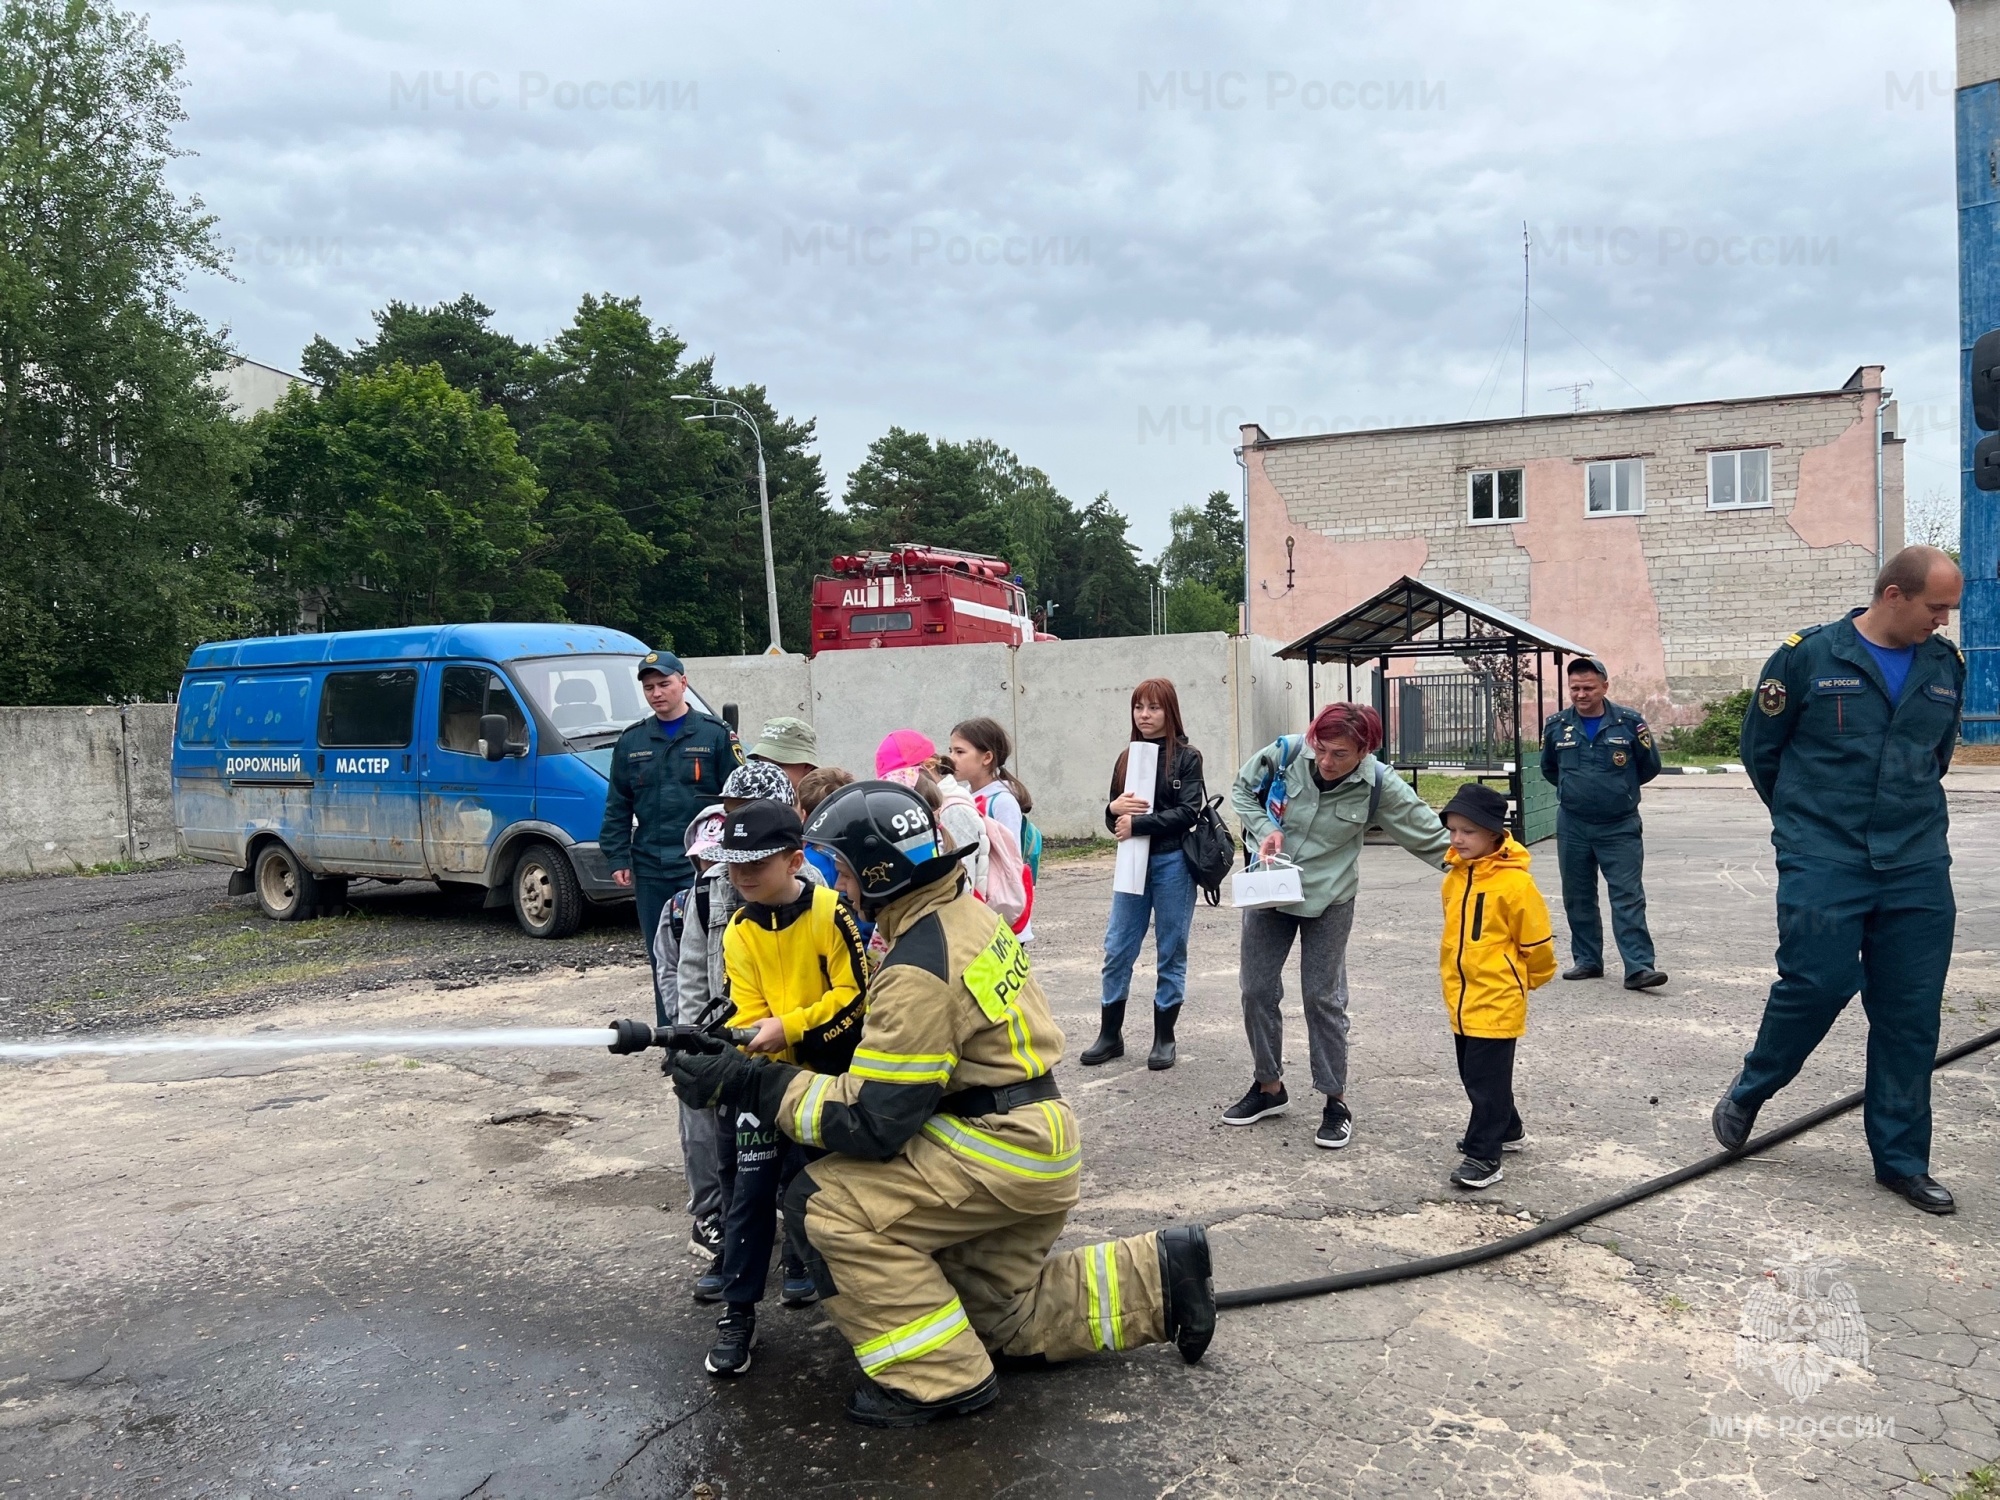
(705,1236)
(800,1290)
(1474,1173)
(1257,1105)
(1336,1126)
(736,1337)
(1512,1143)
(708,1287)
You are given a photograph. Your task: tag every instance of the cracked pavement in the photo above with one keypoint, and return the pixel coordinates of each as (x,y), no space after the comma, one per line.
(336,1274)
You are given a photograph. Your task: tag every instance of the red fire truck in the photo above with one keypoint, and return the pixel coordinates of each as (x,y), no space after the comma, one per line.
(919,596)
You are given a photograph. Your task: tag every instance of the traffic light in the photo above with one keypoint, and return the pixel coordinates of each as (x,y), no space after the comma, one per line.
(1986,410)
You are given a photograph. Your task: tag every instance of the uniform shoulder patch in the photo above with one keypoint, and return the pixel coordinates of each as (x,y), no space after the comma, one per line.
(1771,696)
(1798,635)
(1794,638)
(923,947)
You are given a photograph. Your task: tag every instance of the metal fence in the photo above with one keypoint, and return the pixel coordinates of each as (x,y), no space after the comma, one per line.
(1447,718)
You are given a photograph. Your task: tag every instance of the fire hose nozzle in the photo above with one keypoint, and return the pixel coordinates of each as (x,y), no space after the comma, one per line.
(630,1036)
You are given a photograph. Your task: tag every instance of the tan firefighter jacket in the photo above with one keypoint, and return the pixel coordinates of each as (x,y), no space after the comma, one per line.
(953,1006)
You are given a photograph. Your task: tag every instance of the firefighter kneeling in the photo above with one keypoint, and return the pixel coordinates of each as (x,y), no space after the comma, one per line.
(953,1159)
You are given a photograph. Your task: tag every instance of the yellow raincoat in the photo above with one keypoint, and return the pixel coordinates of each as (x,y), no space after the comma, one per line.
(1496,946)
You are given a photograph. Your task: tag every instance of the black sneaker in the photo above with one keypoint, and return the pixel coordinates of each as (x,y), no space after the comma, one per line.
(1474,1173)
(705,1236)
(1513,1143)
(737,1336)
(1336,1126)
(1257,1105)
(800,1290)
(708,1288)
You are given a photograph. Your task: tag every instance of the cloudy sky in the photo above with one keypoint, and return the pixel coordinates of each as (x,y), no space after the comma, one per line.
(1103,234)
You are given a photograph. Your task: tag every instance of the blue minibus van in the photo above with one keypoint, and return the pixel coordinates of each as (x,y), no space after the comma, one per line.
(471,755)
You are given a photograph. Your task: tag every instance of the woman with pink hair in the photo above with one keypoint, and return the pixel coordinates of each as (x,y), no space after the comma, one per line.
(1312,809)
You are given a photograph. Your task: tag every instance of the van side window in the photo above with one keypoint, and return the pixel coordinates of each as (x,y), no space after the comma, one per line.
(465,694)
(374,710)
(201,704)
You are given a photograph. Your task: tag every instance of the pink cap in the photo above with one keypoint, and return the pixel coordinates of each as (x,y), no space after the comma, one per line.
(900,748)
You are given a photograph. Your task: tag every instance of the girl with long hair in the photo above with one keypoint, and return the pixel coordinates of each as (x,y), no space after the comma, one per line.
(1168,899)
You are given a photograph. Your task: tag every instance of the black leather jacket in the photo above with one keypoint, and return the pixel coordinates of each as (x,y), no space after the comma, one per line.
(1177,798)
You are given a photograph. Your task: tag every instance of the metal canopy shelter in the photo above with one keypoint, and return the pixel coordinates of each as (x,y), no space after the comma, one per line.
(1411,618)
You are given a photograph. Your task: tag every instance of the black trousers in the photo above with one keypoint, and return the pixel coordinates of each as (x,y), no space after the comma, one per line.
(1486,1068)
(758,1162)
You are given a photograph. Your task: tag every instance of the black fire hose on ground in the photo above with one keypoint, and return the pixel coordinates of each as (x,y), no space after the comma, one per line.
(1410,1270)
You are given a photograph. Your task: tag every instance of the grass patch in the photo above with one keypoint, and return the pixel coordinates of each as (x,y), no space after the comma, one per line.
(1060,851)
(1437,787)
(1980,1484)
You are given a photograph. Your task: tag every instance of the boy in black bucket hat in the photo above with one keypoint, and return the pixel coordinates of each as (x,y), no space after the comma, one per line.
(1496,947)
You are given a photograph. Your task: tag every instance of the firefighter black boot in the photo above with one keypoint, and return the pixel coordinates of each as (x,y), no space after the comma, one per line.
(1110,1041)
(1187,1290)
(875,1405)
(1162,1056)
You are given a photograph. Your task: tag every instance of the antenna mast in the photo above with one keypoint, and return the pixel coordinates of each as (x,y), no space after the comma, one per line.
(1524,317)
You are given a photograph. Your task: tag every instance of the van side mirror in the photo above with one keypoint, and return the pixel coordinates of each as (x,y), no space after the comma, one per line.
(730,714)
(493,736)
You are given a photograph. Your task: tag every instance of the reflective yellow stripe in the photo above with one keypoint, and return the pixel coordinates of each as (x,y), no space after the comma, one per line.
(1100,1277)
(1023,1049)
(1058,1131)
(903,1067)
(914,1339)
(806,1118)
(1017,1161)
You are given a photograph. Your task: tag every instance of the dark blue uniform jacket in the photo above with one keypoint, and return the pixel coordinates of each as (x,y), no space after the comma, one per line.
(1849,776)
(663,783)
(1598,780)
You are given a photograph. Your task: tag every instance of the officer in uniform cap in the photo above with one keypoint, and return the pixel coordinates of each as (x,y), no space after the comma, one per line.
(1847,742)
(953,1159)
(664,770)
(1597,754)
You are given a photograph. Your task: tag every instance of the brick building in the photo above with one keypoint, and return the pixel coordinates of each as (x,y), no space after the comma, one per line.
(1679,542)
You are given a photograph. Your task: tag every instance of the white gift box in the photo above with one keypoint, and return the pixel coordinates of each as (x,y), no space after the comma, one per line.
(1266,884)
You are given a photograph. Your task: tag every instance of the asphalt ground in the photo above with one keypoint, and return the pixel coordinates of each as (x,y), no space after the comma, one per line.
(466,1274)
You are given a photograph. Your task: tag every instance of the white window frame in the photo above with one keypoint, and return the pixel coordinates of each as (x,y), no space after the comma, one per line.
(1496,519)
(1636,468)
(1736,456)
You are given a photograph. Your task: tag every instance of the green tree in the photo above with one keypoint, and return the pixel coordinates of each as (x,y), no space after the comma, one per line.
(392,498)
(1206,547)
(1193,605)
(115,448)
(1102,589)
(457,337)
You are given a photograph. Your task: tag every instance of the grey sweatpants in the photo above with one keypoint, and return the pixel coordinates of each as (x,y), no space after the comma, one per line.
(699,1148)
(1267,943)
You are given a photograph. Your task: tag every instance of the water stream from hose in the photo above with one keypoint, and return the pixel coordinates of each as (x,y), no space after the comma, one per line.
(351,1041)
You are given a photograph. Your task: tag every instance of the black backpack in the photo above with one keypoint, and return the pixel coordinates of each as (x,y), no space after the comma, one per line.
(1209,850)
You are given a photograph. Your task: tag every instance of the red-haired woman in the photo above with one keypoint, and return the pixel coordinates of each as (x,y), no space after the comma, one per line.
(1311,804)
(1165,817)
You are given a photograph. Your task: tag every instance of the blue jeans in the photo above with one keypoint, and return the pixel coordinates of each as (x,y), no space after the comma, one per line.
(1169,901)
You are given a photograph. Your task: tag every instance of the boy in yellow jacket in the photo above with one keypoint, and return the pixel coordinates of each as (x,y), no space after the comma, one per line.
(1496,947)
(796,975)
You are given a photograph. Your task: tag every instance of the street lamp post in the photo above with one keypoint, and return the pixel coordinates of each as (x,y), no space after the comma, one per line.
(740,414)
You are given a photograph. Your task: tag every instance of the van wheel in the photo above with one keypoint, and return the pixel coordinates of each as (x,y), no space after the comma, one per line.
(548,903)
(286,891)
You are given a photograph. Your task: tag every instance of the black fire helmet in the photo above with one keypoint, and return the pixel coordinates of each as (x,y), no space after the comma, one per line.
(885,834)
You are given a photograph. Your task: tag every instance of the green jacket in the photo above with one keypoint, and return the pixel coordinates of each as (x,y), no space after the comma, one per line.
(1323,830)
(1849,776)
(661,783)
(1598,780)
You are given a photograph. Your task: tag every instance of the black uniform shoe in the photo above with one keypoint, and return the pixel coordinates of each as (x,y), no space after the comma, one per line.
(1924,1190)
(1257,1105)
(1336,1126)
(1584,971)
(1163,1055)
(1645,979)
(1110,1041)
(1023,1364)
(875,1405)
(736,1337)
(1190,1293)
(1732,1123)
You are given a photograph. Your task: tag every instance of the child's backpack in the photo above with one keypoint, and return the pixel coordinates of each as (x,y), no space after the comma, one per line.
(1010,883)
(1031,846)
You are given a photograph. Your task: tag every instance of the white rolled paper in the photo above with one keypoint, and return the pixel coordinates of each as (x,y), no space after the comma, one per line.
(1142,768)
